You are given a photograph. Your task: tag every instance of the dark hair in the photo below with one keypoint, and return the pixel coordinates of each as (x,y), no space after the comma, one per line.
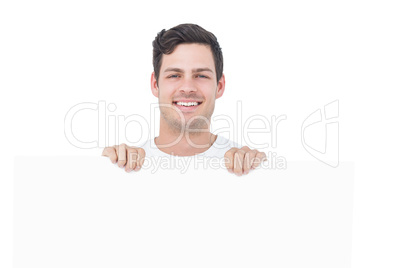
(166,41)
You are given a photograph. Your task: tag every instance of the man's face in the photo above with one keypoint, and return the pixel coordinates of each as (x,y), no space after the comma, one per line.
(187,87)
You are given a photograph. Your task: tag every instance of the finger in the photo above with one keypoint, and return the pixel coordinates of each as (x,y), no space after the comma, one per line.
(259,158)
(111,153)
(248,159)
(245,148)
(121,155)
(140,158)
(238,162)
(229,156)
(132,155)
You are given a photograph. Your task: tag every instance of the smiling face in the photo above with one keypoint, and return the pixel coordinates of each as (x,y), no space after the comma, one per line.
(187,87)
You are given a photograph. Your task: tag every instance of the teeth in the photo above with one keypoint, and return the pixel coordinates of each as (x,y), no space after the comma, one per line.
(187,103)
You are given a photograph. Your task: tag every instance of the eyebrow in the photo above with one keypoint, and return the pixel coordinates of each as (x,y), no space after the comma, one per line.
(197,70)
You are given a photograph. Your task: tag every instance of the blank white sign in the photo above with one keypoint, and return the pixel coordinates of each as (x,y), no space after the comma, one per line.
(86,212)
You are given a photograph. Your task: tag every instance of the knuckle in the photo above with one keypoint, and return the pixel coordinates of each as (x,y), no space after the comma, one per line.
(229,154)
(106,151)
(131,150)
(232,150)
(230,159)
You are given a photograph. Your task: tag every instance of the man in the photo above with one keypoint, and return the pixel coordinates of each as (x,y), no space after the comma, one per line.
(187,79)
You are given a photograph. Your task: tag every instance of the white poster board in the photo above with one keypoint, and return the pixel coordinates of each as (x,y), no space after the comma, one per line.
(86,212)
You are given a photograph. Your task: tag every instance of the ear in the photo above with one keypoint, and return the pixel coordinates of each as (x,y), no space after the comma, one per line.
(154,85)
(221,87)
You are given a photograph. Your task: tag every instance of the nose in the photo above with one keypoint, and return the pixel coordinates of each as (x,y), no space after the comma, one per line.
(188,85)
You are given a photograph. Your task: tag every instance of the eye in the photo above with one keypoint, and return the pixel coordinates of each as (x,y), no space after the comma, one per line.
(173,76)
(202,76)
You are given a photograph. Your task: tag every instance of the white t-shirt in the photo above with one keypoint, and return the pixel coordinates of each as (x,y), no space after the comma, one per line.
(217,149)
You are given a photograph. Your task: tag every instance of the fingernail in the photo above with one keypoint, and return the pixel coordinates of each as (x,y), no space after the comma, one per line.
(137,168)
(230,170)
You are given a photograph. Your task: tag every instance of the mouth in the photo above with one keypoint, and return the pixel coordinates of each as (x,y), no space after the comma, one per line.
(187,106)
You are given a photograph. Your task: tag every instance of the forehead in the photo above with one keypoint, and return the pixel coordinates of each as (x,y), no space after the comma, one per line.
(189,56)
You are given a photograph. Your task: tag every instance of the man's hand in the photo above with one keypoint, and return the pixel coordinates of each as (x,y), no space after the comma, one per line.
(241,161)
(132,158)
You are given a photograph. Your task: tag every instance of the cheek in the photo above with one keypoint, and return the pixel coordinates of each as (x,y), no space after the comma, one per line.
(209,94)
(166,92)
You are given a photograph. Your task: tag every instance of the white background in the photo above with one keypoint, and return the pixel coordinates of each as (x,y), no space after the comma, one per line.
(287,57)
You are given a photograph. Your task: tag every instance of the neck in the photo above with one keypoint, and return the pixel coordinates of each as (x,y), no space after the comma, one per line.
(183,143)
